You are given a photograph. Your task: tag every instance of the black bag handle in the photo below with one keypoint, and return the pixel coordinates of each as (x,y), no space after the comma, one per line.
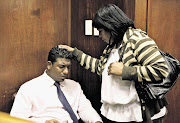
(121,56)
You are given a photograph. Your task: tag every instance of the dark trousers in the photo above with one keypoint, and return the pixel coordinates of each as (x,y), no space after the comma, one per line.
(105,120)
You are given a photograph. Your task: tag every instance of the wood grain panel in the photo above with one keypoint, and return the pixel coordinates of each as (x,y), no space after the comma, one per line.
(29,29)
(141,14)
(163,26)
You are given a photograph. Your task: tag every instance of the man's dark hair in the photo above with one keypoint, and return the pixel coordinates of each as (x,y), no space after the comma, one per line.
(112,19)
(57,52)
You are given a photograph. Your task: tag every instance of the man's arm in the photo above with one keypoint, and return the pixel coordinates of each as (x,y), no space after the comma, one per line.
(86,112)
(22,106)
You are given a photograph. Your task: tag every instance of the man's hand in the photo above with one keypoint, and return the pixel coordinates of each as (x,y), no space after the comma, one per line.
(115,68)
(52,121)
(66,47)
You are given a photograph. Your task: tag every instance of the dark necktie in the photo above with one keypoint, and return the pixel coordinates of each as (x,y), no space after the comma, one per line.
(65,103)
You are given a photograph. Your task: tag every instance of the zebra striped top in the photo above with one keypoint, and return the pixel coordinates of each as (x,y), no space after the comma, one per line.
(142,59)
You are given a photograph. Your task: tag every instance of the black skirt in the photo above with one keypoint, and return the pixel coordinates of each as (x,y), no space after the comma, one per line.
(152,107)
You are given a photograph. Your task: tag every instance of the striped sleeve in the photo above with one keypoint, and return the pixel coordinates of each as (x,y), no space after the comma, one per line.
(152,66)
(86,61)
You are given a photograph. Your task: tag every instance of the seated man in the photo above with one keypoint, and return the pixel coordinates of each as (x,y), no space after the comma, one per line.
(40,100)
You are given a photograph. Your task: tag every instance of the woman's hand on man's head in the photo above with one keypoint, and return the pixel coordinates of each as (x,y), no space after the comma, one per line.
(66,47)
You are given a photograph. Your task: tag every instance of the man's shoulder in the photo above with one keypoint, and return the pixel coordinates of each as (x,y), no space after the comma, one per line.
(72,82)
(32,83)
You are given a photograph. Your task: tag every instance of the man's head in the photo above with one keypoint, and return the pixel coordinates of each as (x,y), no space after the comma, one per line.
(59,61)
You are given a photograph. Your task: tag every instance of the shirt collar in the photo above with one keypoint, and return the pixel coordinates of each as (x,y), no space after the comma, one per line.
(50,81)
(127,34)
(126,37)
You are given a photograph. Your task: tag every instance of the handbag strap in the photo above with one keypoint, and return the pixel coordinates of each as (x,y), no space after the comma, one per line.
(121,56)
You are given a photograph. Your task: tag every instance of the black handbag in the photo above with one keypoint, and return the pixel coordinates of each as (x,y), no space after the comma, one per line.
(158,89)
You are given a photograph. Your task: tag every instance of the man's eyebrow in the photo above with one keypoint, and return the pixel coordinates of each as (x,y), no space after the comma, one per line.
(65,64)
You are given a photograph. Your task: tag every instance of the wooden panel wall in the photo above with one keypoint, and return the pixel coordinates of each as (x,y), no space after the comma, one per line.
(82,10)
(163,25)
(28,30)
(161,21)
(140,19)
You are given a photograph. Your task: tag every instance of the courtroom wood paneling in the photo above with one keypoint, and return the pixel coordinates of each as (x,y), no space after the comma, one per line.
(82,10)
(163,26)
(29,29)
(141,14)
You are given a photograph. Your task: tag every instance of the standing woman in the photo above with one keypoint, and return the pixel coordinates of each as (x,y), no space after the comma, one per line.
(141,62)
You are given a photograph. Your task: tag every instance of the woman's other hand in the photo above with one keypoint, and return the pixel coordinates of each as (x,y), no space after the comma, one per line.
(52,121)
(66,47)
(115,68)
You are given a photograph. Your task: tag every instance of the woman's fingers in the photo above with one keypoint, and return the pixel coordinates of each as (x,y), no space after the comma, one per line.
(66,47)
(115,68)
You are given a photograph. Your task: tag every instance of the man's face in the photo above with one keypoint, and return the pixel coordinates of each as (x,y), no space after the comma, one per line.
(59,70)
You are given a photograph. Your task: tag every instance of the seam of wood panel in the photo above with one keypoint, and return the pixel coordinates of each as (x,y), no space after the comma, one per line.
(69,29)
(69,23)
(147,12)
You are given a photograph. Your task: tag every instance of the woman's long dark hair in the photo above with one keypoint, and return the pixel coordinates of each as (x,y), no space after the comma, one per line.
(112,19)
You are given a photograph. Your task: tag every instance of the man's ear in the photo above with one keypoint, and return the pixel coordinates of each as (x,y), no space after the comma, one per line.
(49,65)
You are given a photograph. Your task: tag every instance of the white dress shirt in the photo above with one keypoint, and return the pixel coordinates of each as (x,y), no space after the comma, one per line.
(37,100)
(119,97)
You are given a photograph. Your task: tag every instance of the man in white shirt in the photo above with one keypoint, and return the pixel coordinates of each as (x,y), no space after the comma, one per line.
(37,99)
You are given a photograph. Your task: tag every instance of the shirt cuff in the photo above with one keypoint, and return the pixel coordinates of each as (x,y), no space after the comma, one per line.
(77,54)
(129,73)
